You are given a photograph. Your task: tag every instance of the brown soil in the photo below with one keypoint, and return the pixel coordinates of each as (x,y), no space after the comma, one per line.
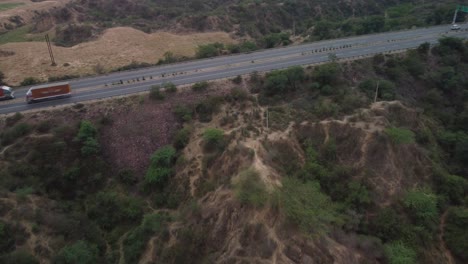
(115,48)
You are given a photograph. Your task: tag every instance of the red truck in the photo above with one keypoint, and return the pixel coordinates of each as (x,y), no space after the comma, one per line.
(6,93)
(48,91)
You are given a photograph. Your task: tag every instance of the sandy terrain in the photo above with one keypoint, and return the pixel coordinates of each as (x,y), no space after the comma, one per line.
(115,48)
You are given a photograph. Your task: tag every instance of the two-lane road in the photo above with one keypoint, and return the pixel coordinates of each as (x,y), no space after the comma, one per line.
(227,66)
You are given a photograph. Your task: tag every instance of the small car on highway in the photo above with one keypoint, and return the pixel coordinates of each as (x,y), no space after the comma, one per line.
(455,27)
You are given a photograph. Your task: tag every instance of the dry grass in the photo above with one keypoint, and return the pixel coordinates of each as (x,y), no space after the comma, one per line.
(117,47)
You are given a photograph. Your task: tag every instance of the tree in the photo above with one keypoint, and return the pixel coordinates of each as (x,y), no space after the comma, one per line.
(109,209)
(387,225)
(163,157)
(276,82)
(87,130)
(422,206)
(161,166)
(327,73)
(306,206)
(81,252)
(295,74)
(456,228)
(87,135)
(323,29)
(399,253)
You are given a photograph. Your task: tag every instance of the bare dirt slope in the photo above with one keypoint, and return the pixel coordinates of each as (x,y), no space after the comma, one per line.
(117,47)
(26,12)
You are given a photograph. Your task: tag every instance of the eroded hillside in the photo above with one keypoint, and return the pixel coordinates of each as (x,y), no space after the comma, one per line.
(295,166)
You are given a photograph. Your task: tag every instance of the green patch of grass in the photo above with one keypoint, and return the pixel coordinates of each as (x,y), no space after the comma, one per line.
(6,6)
(400,135)
(18,35)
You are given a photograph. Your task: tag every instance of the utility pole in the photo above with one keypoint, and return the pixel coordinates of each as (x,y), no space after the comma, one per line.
(455,16)
(376,91)
(294,28)
(50,50)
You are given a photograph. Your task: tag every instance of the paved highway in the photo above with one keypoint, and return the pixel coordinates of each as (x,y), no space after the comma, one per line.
(227,66)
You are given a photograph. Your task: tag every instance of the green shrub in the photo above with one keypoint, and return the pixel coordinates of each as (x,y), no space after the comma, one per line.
(87,130)
(386,89)
(87,135)
(250,189)
(422,206)
(90,147)
(451,186)
(205,108)
(136,240)
(110,209)
(400,135)
(274,39)
(329,73)
(44,126)
(399,253)
(182,137)
(456,230)
(387,224)
(63,77)
(282,81)
(161,167)
(163,157)
(81,252)
(10,135)
(213,138)
(237,79)
(155,93)
(306,206)
(133,65)
(127,177)
(183,113)
(237,94)
(29,81)
(209,50)
(200,86)
(169,87)
(276,82)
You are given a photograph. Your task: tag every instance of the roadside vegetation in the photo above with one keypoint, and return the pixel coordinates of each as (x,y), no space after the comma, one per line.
(93,213)
(6,6)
